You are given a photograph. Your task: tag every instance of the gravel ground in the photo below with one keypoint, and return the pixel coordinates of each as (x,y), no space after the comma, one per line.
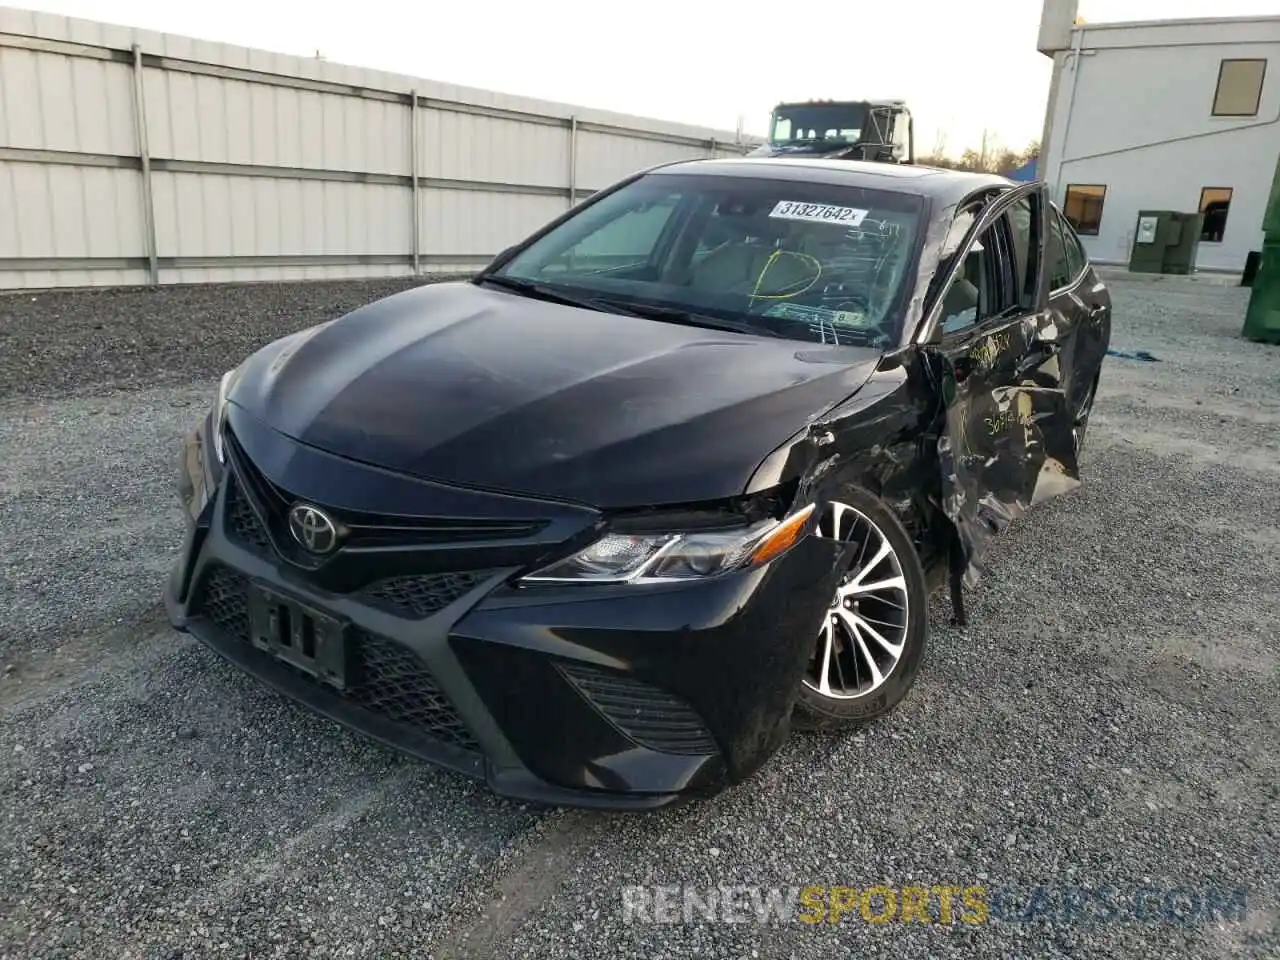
(1102,722)
(73,343)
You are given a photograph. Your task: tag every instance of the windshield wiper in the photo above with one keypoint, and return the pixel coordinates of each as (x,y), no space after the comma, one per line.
(608,305)
(543,292)
(689,318)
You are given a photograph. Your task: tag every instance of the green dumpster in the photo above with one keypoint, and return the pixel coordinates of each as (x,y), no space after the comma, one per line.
(1262,320)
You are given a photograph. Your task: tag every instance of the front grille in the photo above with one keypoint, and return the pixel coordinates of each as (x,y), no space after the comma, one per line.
(651,717)
(370,529)
(243,524)
(422,595)
(390,680)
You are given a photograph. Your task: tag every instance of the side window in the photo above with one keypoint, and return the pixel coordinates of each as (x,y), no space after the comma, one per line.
(1019,219)
(985,286)
(1066,257)
(1077,259)
(1059,269)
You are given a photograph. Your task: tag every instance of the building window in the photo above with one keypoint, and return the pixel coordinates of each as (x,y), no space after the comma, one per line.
(1214,204)
(1083,207)
(1239,92)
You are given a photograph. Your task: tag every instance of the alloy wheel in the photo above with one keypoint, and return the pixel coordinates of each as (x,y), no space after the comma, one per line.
(864,632)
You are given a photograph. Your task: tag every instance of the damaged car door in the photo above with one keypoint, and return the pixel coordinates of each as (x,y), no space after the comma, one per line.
(1082,304)
(1006,442)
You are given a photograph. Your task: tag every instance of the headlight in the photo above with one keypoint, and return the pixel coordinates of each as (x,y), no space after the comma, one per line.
(663,557)
(220,411)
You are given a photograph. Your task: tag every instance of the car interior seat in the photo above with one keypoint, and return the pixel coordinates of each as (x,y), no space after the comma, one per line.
(960,305)
(737,266)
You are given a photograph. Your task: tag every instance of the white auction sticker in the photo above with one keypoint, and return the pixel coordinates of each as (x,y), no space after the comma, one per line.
(818,213)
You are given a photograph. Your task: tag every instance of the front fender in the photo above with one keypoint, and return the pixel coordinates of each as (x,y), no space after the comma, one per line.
(880,439)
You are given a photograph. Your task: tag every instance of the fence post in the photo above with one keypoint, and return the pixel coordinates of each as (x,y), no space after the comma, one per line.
(713,148)
(573,160)
(144,154)
(413,177)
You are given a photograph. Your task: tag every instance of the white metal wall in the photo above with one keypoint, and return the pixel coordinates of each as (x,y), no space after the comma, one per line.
(130,157)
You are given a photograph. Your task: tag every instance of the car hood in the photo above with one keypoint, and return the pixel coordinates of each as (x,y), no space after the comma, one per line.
(479,387)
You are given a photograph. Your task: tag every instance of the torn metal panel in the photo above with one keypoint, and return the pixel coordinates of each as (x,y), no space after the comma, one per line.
(965,431)
(1004,449)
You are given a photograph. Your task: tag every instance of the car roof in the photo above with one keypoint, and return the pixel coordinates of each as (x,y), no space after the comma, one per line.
(944,186)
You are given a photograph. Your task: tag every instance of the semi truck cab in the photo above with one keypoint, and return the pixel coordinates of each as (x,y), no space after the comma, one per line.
(849,129)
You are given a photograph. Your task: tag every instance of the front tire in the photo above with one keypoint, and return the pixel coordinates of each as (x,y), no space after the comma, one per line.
(872,638)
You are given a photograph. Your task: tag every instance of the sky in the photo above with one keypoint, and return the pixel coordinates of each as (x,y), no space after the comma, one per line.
(963,68)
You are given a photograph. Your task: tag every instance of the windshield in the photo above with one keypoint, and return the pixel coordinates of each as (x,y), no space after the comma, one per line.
(796,259)
(801,123)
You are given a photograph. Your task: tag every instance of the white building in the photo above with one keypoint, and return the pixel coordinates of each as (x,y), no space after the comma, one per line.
(1164,115)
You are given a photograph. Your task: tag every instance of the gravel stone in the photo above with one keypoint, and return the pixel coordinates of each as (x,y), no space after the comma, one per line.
(60,343)
(1108,717)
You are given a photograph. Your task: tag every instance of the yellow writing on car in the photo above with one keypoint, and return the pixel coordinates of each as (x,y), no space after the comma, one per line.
(1007,421)
(883,904)
(1022,413)
(986,353)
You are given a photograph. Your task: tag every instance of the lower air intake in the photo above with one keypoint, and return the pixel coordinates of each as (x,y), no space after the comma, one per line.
(651,717)
(392,681)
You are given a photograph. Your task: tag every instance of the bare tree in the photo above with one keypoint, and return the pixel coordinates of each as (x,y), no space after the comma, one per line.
(990,156)
(939,144)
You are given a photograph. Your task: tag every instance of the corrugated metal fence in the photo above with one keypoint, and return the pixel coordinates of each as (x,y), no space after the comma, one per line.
(130,157)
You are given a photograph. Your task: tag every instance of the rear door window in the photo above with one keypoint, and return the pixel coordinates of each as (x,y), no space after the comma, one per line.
(1059,268)
(1077,259)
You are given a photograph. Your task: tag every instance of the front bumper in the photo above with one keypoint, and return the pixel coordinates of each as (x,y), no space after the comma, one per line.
(622,697)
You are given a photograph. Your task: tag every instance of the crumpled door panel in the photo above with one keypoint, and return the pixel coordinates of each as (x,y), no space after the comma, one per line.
(1006,448)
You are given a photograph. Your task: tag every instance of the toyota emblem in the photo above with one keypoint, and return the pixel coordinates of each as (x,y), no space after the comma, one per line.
(312,528)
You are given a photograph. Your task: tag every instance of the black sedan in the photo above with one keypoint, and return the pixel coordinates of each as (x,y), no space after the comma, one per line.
(675,474)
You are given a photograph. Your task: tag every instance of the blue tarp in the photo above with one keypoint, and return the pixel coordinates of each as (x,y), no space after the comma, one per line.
(1025,173)
(1132,355)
